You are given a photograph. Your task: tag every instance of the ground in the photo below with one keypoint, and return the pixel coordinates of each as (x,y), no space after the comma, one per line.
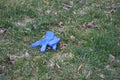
(90,39)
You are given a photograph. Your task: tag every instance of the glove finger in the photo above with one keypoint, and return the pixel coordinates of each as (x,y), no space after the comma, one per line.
(37,43)
(54,47)
(43,48)
(49,35)
(54,41)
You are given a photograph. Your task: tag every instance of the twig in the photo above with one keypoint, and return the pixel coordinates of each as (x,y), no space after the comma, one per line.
(81,65)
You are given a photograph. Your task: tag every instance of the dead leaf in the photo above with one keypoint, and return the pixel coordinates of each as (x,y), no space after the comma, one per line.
(111,58)
(2,68)
(112,10)
(34,27)
(102,76)
(60,24)
(48,11)
(63,45)
(72,38)
(2,31)
(113,7)
(74,12)
(11,57)
(72,3)
(91,24)
(84,25)
(27,55)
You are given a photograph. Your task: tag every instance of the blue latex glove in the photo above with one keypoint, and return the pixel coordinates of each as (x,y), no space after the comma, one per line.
(48,40)
(53,43)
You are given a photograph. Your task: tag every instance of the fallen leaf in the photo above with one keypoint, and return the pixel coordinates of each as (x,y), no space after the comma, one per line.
(2,31)
(11,57)
(63,45)
(112,10)
(60,24)
(27,55)
(34,27)
(74,12)
(102,76)
(72,3)
(91,24)
(48,11)
(113,7)
(2,68)
(72,38)
(111,58)
(84,25)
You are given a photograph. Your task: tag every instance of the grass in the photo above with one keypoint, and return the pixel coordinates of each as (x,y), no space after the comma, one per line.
(86,58)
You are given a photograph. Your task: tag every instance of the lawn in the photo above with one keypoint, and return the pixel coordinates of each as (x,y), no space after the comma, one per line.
(89,48)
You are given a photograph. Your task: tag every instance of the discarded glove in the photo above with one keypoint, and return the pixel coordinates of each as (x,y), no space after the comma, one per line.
(49,40)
